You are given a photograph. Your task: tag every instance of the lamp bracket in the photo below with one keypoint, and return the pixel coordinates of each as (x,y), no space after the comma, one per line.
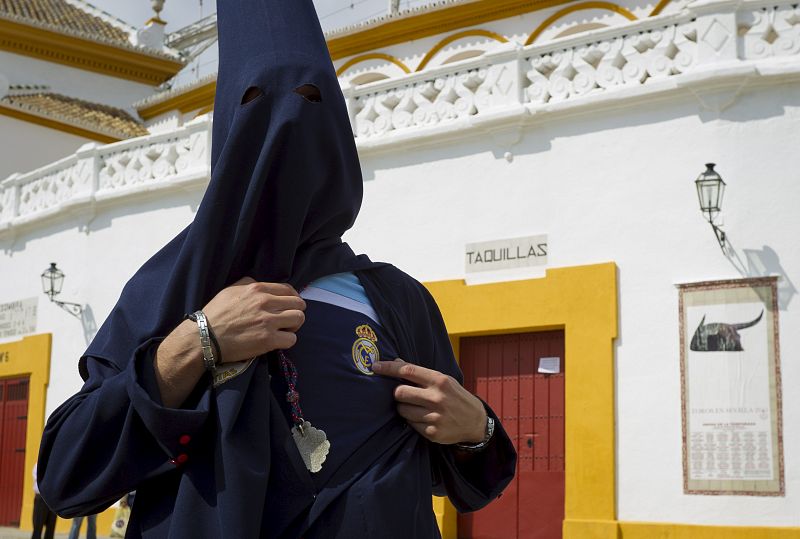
(722,238)
(75,309)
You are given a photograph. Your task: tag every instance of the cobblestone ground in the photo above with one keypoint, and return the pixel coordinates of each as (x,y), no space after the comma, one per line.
(14,533)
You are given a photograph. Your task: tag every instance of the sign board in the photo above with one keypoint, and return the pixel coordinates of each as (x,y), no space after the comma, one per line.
(550,365)
(18,317)
(506,254)
(730,376)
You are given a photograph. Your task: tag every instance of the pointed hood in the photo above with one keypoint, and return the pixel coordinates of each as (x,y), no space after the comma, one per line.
(263,42)
(285,184)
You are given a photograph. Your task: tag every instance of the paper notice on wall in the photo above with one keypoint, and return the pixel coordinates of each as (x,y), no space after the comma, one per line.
(18,317)
(731,407)
(550,365)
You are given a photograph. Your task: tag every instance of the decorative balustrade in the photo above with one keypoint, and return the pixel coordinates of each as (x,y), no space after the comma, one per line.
(771,31)
(97,173)
(704,35)
(181,153)
(627,60)
(708,37)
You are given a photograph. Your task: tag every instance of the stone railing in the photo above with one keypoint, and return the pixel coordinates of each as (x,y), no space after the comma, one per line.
(96,174)
(708,43)
(705,36)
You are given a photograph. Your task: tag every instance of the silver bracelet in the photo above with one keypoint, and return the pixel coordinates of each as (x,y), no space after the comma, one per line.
(205,341)
(486,439)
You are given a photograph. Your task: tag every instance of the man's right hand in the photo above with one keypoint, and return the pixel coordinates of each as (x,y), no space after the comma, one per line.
(250,318)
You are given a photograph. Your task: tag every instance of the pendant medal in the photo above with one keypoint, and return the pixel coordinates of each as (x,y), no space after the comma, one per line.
(313,445)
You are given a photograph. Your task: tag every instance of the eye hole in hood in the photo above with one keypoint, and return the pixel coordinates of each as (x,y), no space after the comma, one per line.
(309,92)
(251,94)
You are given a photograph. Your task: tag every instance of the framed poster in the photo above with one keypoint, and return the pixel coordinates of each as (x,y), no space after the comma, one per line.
(731,388)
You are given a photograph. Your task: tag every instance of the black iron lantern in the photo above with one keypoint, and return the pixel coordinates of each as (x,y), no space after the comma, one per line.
(710,192)
(52,281)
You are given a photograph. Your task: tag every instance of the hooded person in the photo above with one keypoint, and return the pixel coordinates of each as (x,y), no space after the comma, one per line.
(231,456)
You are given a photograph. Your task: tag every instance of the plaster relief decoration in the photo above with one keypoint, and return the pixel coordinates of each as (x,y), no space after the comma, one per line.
(6,202)
(423,103)
(731,388)
(771,31)
(630,59)
(150,162)
(101,173)
(56,186)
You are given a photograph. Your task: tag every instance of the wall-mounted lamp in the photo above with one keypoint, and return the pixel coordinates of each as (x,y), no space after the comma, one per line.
(52,281)
(710,191)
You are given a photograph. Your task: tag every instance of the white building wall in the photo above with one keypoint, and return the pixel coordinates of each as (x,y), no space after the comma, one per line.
(71,81)
(25,146)
(97,264)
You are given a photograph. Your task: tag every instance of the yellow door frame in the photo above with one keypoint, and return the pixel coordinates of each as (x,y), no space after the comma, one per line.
(583,301)
(29,357)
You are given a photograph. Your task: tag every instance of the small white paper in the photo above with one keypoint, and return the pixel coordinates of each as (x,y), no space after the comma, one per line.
(550,365)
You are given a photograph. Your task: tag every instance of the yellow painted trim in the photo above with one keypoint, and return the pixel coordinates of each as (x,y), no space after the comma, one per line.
(599,529)
(104,521)
(204,110)
(433,23)
(659,7)
(55,124)
(83,54)
(578,7)
(372,56)
(201,97)
(583,301)
(446,517)
(29,357)
(455,37)
(660,530)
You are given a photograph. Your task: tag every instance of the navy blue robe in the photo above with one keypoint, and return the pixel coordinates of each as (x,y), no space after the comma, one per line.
(285,186)
(242,479)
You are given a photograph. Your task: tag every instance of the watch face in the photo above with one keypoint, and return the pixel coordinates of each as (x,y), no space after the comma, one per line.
(489,429)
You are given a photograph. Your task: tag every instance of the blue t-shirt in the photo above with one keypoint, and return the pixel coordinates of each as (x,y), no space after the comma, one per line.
(335,350)
(374,458)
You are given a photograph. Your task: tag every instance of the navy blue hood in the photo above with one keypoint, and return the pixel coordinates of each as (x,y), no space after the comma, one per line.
(285,184)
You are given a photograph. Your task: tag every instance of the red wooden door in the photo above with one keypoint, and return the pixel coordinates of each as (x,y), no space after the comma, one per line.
(13,426)
(504,371)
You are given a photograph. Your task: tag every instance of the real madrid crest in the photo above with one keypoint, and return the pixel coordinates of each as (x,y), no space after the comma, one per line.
(365,349)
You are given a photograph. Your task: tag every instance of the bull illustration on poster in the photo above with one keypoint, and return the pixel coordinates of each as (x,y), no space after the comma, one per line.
(720,337)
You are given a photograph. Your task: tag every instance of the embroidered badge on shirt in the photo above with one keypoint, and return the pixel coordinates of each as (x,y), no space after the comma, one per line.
(365,349)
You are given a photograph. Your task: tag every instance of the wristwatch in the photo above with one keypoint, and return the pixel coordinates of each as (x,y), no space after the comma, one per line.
(483,443)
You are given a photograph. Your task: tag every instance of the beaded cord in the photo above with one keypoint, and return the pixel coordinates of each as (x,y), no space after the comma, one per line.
(292,395)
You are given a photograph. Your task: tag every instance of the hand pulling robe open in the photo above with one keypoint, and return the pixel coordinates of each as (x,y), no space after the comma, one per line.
(286,184)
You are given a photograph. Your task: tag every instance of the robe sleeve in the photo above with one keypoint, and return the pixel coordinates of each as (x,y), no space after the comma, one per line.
(115,434)
(471,480)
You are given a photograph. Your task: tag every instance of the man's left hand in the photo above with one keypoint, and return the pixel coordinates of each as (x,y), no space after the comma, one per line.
(436,406)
